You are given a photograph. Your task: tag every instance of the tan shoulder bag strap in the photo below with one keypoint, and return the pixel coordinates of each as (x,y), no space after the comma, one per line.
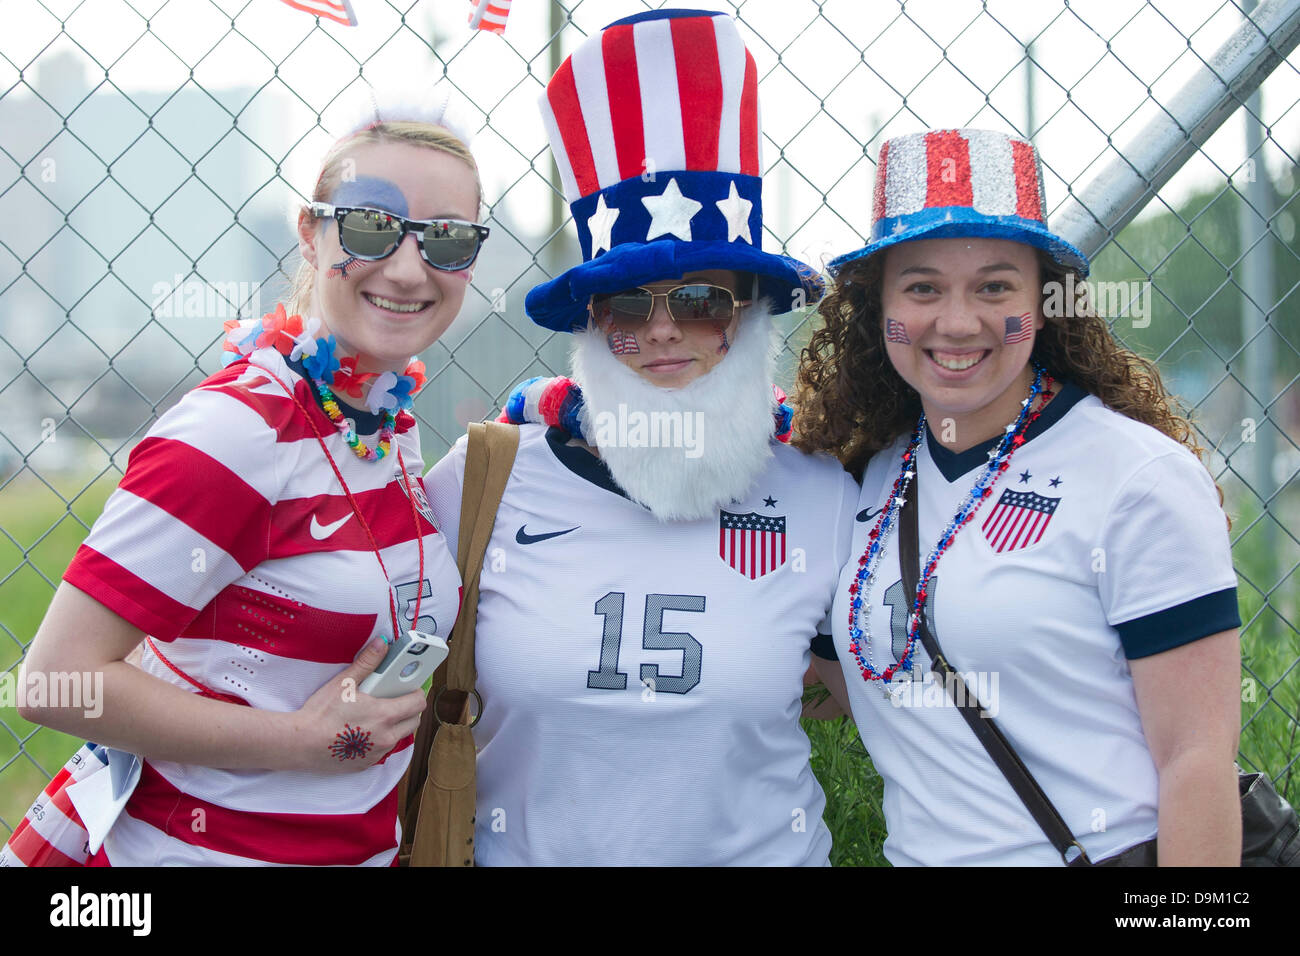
(443,808)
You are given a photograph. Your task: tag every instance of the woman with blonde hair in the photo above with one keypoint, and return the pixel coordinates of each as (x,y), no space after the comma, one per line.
(271,535)
(1034,513)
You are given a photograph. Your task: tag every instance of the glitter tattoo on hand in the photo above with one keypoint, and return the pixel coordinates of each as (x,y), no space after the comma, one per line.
(350,743)
(1019,328)
(895,331)
(340,269)
(622,343)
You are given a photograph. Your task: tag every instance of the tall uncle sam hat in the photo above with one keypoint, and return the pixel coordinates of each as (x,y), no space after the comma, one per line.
(654,127)
(957,183)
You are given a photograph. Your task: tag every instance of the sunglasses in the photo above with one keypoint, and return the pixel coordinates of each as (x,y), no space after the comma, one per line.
(448,245)
(686,303)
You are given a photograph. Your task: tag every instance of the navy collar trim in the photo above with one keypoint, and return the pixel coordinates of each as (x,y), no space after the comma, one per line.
(366,421)
(955,464)
(580,461)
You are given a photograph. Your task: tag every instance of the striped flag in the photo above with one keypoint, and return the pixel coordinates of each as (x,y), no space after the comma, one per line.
(1018,520)
(340,12)
(622,343)
(895,331)
(490,15)
(1019,328)
(51,833)
(752,544)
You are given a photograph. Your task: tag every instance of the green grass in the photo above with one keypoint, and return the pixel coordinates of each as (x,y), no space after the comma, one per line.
(39,534)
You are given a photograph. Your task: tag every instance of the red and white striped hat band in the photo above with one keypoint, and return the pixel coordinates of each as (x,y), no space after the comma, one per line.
(654,94)
(961,182)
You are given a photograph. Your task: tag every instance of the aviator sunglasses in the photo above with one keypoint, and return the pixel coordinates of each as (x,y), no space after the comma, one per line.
(448,245)
(631,308)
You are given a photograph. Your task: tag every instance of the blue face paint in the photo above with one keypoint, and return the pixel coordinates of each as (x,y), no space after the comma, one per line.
(372,192)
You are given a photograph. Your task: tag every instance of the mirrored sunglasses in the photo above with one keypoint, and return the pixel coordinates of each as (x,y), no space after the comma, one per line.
(448,245)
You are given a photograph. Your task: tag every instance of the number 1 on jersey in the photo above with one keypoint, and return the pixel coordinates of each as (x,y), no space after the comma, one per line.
(653,638)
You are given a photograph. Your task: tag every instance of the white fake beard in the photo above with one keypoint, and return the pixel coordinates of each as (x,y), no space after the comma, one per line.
(718,428)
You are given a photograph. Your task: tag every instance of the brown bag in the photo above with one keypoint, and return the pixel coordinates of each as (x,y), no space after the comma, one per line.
(437,795)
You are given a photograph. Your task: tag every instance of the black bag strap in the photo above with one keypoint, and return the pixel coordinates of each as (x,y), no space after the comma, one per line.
(986,731)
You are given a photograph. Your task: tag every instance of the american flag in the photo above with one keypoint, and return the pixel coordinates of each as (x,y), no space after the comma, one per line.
(1019,328)
(622,343)
(1018,520)
(340,12)
(895,331)
(751,543)
(490,15)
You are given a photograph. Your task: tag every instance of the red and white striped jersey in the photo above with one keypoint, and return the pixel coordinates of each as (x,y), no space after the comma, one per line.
(230,541)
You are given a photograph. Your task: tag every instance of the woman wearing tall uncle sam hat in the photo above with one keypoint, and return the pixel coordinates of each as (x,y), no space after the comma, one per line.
(271,535)
(665,559)
(1032,495)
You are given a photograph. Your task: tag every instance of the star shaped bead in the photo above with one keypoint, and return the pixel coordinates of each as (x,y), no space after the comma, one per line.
(670,213)
(601,227)
(736,211)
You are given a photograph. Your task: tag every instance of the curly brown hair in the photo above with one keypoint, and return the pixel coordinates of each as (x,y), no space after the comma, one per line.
(850,402)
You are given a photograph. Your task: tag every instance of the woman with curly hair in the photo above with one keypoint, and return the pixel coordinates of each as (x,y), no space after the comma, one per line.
(1066,551)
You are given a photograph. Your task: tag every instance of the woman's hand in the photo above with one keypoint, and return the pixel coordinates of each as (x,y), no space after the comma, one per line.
(134,711)
(342,728)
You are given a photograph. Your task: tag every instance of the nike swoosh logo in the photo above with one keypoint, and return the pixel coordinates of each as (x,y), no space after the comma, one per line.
(322,531)
(523,537)
(866,514)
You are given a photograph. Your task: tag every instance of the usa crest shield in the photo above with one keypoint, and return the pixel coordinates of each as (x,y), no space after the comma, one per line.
(751,544)
(1018,520)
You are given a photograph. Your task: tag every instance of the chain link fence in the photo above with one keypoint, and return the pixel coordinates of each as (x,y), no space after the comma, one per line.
(151,153)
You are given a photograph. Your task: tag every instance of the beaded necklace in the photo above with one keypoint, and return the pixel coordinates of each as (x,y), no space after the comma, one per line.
(869,563)
(295,338)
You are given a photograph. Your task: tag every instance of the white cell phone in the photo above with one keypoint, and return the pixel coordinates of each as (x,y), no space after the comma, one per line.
(409,662)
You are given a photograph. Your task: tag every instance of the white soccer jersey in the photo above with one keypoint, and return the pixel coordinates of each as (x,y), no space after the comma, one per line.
(1104,541)
(230,541)
(642,680)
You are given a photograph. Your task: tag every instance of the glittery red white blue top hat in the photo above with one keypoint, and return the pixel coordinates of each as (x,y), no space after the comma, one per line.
(654,126)
(961,182)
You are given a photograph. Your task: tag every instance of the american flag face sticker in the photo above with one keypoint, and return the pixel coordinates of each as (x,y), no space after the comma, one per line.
(1019,328)
(752,544)
(622,343)
(1019,520)
(895,331)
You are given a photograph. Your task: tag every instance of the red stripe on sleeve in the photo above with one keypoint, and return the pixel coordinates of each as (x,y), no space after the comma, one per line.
(749,119)
(624,89)
(129,597)
(699,88)
(205,495)
(947,160)
(1028,205)
(304,839)
(878,199)
(280,413)
(562,93)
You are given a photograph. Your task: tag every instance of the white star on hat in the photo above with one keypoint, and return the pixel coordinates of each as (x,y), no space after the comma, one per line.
(670,213)
(736,211)
(601,227)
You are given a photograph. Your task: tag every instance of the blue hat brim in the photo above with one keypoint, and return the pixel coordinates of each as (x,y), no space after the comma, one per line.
(561,303)
(962,222)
